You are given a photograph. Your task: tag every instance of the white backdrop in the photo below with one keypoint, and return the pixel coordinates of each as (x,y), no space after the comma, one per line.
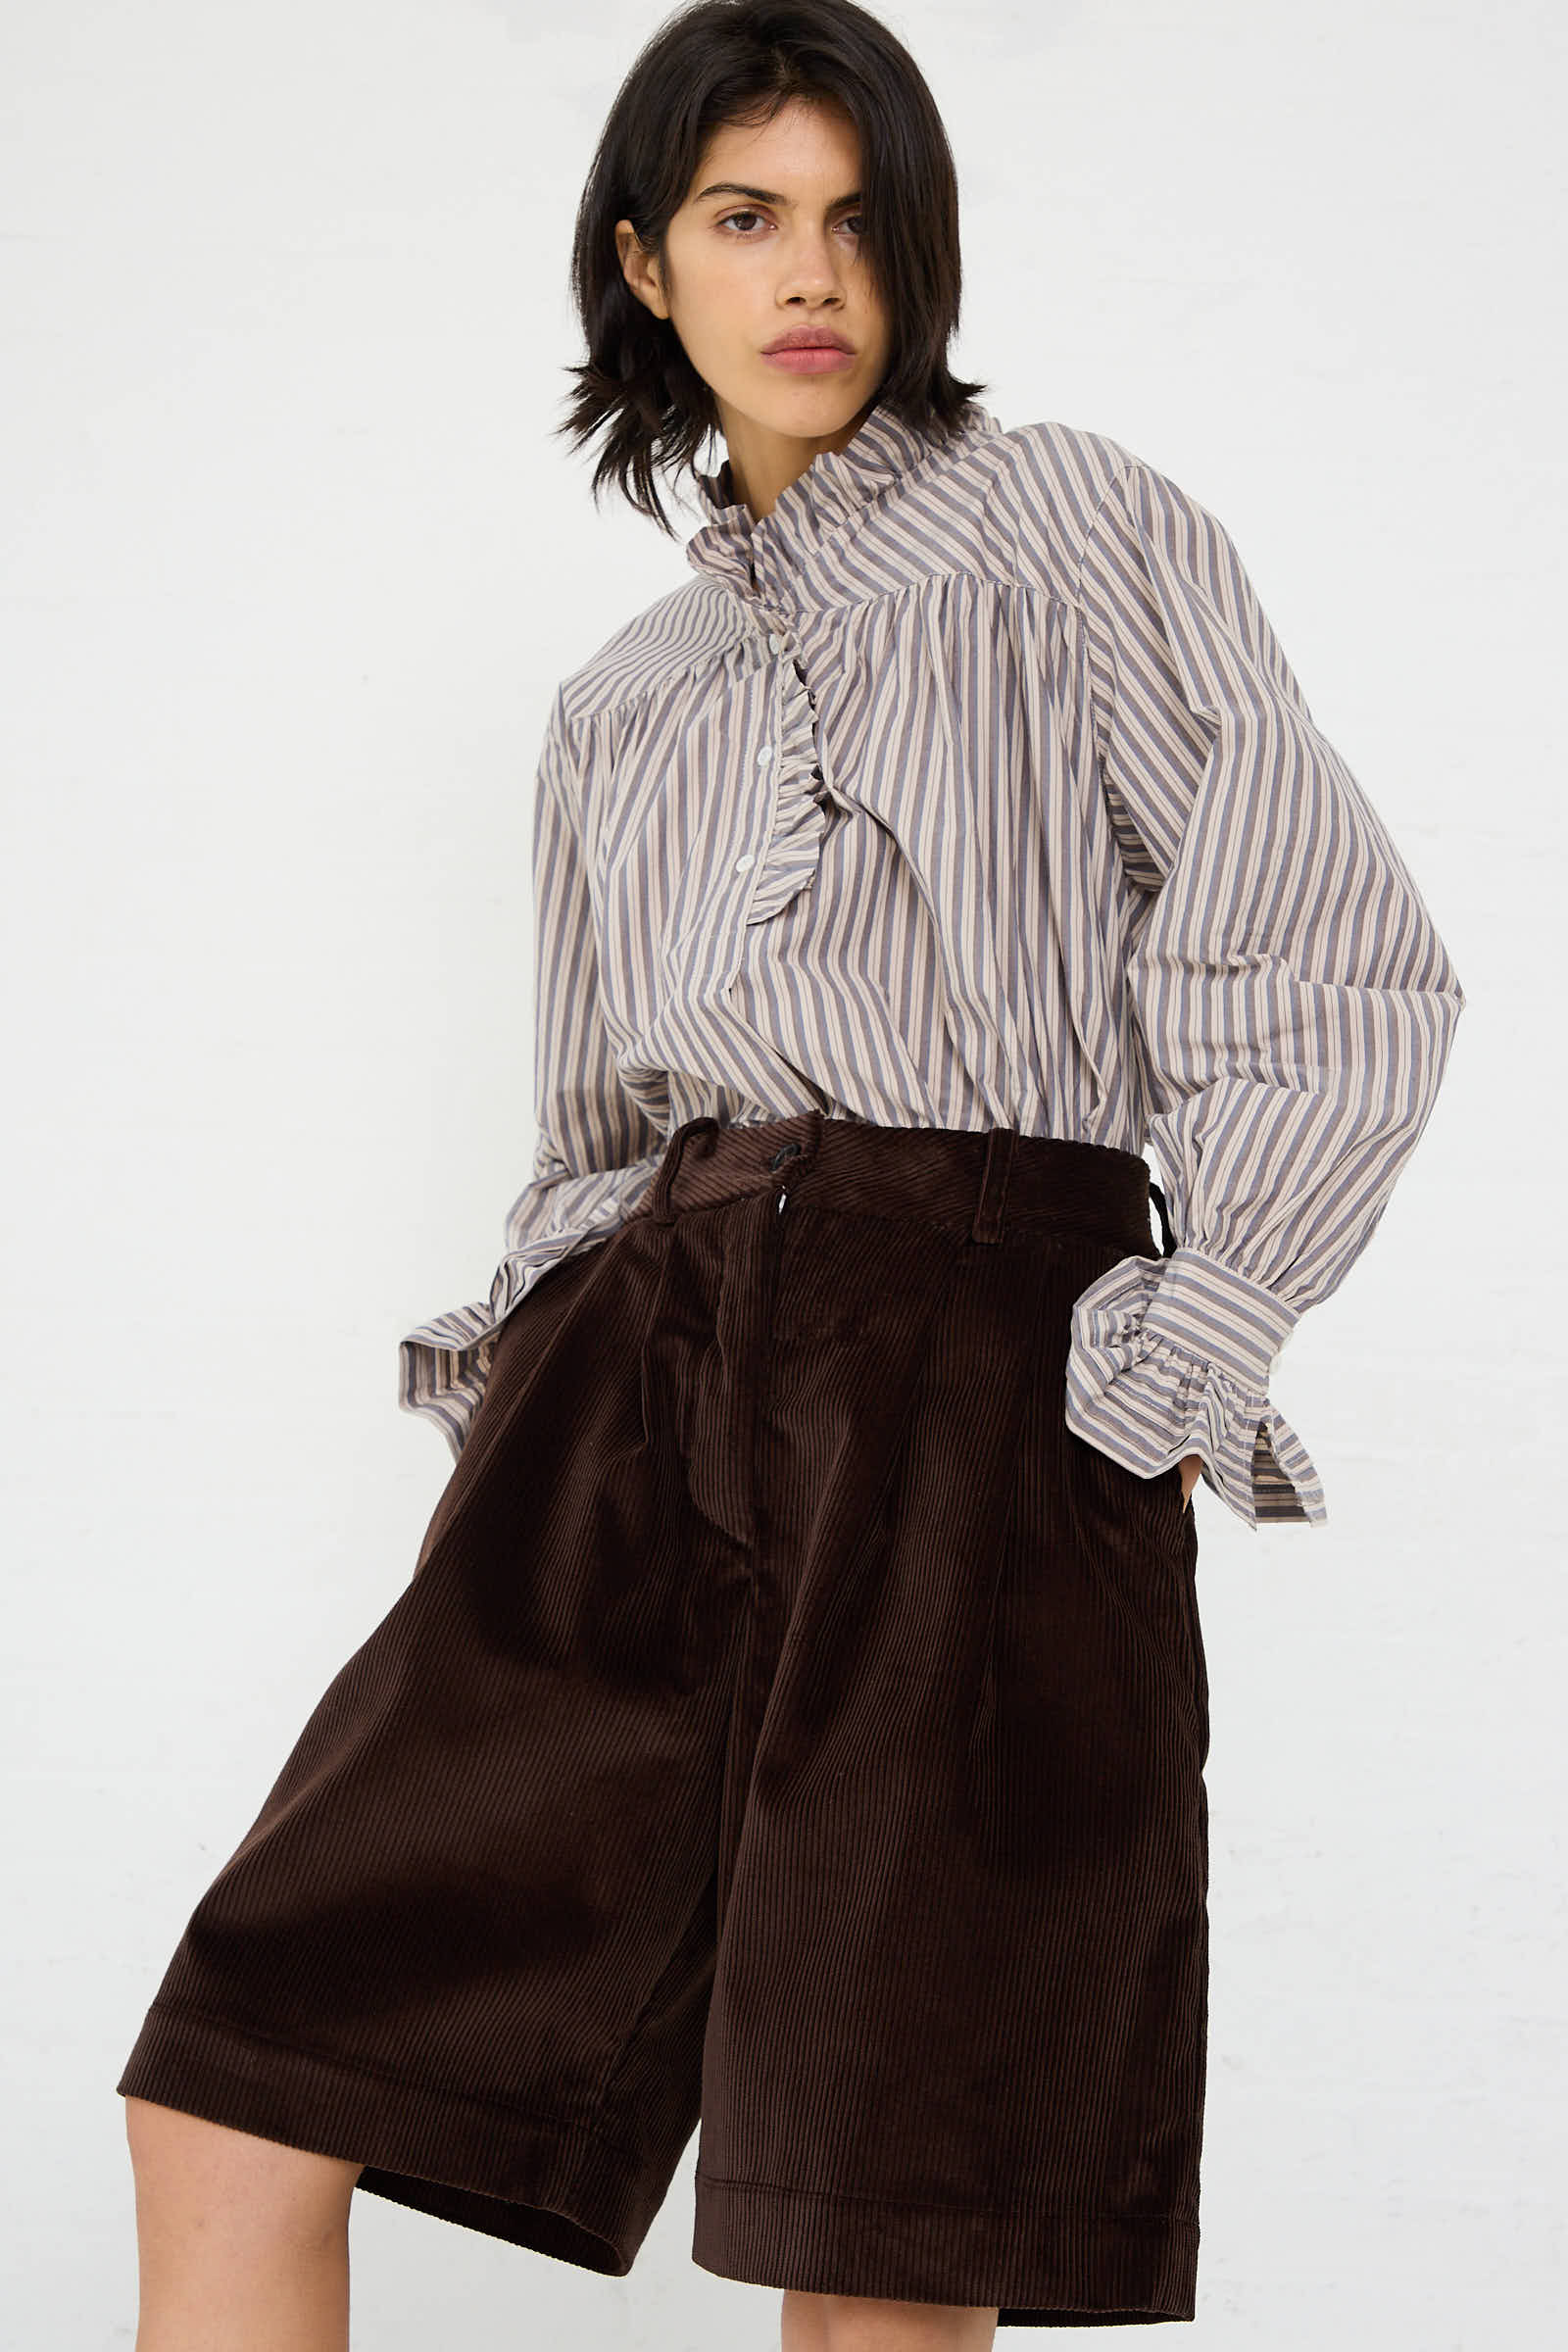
(290,564)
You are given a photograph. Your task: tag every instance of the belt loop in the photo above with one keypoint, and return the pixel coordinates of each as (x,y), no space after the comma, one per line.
(660,1207)
(987,1226)
(1168,1238)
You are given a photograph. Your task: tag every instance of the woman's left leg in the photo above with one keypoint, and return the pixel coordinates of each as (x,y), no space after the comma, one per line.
(862,2324)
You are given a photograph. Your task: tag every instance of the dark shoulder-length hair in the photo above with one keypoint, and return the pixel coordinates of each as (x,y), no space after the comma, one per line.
(719,62)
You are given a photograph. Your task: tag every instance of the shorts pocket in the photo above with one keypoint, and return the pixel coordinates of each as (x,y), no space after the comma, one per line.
(524,1340)
(1139,1534)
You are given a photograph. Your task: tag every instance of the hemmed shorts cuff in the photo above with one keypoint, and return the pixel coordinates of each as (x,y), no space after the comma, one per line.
(559,2188)
(1041,2269)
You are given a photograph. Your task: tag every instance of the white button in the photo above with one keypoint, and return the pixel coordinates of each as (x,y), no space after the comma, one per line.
(765,755)
(775,643)
(748,860)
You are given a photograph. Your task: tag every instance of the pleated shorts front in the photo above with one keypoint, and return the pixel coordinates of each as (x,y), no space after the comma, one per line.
(791,1732)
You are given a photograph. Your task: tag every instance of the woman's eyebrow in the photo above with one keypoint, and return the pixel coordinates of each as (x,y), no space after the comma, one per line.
(733,188)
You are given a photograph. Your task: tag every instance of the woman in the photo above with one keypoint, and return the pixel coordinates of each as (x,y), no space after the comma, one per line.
(796,1722)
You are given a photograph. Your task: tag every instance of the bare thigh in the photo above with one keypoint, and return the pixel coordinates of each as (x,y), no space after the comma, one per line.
(812,2323)
(250,2191)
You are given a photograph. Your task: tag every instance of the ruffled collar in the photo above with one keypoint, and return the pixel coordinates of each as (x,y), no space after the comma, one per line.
(835,488)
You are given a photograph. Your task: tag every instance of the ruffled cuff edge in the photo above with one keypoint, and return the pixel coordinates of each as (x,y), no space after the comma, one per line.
(1170,1356)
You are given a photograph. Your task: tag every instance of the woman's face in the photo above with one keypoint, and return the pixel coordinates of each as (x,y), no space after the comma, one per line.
(744,267)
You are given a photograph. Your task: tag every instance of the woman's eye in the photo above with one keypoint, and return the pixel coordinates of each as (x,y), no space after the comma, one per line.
(747,212)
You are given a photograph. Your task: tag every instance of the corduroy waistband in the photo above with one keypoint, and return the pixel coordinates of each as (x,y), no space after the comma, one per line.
(989,1181)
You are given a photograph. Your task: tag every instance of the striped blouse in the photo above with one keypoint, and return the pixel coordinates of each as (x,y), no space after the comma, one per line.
(970,786)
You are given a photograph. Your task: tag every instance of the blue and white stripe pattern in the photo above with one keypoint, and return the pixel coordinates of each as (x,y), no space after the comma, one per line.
(970,788)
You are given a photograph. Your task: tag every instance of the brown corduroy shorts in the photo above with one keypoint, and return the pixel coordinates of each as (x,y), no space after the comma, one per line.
(789,1725)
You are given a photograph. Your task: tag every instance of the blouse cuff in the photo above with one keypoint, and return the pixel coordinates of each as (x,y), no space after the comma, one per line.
(1171,1356)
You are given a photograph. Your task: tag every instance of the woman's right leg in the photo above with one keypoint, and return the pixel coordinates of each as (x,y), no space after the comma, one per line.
(240,2241)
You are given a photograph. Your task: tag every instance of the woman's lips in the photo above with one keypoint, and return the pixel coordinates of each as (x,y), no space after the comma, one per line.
(810,359)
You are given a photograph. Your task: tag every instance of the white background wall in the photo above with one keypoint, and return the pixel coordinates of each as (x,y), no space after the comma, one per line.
(289,567)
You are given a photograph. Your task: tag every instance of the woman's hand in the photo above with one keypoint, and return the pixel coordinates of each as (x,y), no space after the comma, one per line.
(1191,1466)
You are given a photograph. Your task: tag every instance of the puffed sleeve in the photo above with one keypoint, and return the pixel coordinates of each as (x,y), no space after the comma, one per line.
(1290,1001)
(599,1146)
